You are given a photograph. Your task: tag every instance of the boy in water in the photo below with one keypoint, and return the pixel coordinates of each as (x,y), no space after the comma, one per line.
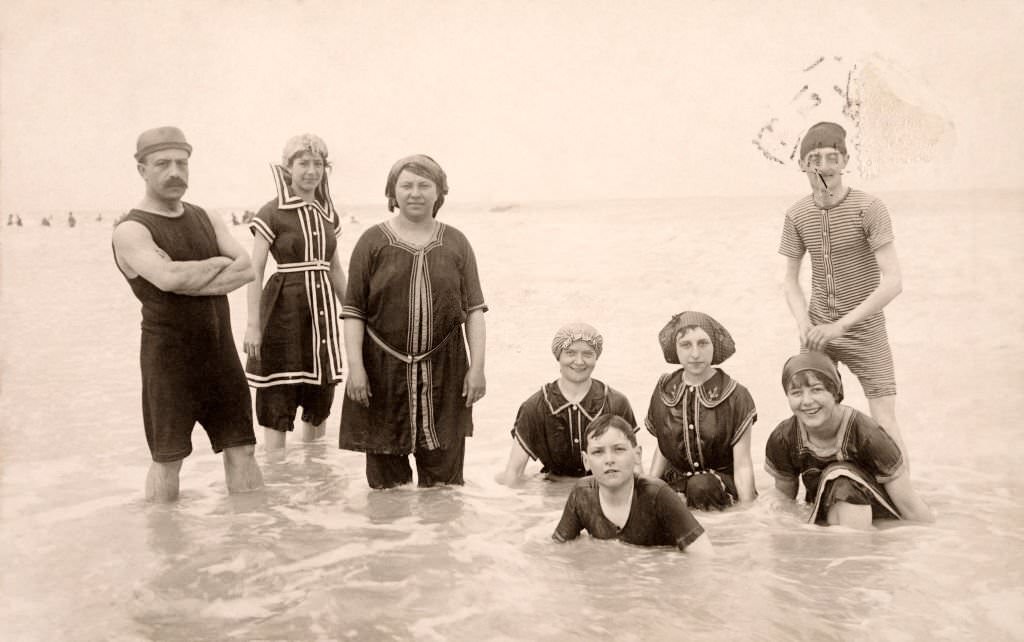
(616,503)
(852,470)
(855,272)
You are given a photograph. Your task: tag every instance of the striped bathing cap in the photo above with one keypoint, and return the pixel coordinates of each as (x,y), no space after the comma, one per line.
(571,333)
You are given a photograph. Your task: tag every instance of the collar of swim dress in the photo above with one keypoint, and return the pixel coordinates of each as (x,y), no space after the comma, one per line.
(286,200)
(587,405)
(711,393)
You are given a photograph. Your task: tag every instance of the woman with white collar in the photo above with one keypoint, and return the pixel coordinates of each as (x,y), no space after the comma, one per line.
(701,416)
(293,338)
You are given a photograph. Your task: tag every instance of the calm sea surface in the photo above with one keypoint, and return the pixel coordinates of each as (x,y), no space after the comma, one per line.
(318,555)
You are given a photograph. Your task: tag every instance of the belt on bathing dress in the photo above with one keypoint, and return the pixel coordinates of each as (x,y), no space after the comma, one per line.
(410,358)
(305,266)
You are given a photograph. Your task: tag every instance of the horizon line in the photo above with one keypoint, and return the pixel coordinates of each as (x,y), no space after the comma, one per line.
(512,203)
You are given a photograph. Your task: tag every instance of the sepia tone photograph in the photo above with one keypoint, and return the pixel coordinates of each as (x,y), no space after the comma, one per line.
(511,320)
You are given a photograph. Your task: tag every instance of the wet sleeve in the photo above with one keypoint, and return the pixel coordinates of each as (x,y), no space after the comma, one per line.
(570,525)
(653,410)
(472,292)
(744,413)
(359,272)
(526,429)
(879,453)
(676,519)
(791,245)
(778,455)
(877,225)
(263,223)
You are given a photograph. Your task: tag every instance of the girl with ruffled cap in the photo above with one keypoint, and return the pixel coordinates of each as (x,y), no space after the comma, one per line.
(293,338)
(853,471)
(551,424)
(413,286)
(701,417)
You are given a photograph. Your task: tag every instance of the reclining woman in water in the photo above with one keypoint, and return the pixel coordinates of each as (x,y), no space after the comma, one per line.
(852,470)
(701,416)
(616,503)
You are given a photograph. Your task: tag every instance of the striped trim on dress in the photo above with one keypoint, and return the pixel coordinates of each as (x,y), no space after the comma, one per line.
(316,221)
(420,375)
(840,470)
(577,418)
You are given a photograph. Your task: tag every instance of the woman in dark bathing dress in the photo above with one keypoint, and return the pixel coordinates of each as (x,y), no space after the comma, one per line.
(413,285)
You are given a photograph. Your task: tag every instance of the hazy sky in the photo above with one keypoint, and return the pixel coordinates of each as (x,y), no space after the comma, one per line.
(517,100)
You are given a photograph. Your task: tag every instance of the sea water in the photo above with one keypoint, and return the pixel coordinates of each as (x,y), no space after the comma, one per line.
(318,555)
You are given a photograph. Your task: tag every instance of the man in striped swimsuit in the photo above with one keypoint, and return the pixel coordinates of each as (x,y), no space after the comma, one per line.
(855,272)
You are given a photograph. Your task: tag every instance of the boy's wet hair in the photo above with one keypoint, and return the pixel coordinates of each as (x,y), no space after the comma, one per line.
(604,423)
(803,378)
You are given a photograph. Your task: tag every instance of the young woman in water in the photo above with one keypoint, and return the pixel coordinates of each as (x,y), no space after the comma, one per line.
(701,416)
(853,471)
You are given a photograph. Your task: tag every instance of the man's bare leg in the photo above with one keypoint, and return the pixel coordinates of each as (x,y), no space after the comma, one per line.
(162,481)
(883,410)
(241,472)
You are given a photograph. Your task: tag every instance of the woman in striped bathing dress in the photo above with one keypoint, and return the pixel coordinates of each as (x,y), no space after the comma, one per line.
(413,285)
(293,337)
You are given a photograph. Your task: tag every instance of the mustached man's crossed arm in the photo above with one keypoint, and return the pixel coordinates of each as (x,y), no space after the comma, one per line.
(139,255)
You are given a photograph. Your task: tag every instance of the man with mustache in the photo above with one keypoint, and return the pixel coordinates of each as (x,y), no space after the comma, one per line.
(855,272)
(181,263)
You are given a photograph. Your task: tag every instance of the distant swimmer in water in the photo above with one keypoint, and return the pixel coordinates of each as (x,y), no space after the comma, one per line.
(853,471)
(71,219)
(855,271)
(616,503)
(181,263)
(701,417)
(294,336)
(551,424)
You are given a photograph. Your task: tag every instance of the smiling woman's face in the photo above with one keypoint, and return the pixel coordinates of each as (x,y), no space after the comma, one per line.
(811,402)
(576,363)
(307,170)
